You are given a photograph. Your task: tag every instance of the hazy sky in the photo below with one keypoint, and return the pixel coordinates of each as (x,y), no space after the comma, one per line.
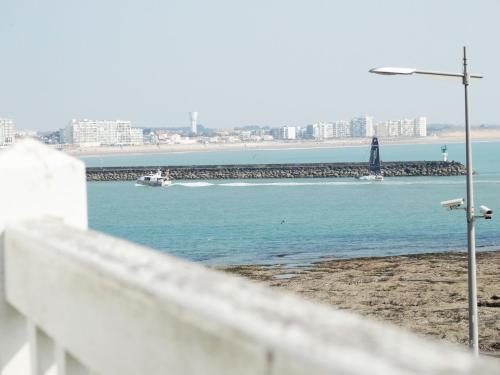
(265,62)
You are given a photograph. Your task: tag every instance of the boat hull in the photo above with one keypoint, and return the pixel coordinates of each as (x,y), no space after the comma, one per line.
(371,177)
(154,183)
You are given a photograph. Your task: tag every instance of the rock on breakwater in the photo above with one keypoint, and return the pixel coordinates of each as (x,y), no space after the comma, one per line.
(256,171)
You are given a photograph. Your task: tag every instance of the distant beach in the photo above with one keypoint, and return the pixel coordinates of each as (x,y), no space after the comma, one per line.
(450,137)
(425,293)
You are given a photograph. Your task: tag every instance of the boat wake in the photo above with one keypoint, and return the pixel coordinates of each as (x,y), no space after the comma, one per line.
(387,182)
(193,184)
(251,184)
(318,183)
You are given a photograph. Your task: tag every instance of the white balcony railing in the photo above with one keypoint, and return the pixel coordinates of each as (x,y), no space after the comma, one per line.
(74,301)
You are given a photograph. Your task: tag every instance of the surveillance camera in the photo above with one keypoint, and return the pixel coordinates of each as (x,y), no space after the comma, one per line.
(486,212)
(452,203)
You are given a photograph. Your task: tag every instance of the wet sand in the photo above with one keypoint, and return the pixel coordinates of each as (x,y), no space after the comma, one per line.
(425,293)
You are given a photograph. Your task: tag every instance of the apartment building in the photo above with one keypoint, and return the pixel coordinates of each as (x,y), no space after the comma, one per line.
(362,126)
(288,132)
(403,128)
(92,133)
(7,132)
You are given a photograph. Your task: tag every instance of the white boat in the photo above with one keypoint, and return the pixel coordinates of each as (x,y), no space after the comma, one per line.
(374,164)
(372,177)
(154,180)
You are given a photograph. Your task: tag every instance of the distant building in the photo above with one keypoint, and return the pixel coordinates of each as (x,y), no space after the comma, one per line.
(245,135)
(194,121)
(288,132)
(267,137)
(89,133)
(362,126)
(51,137)
(275,133)
(403,128)
(406,128)
(320,130)
(82,133)
(329,130)
(7,132)
(421,127)
(136,136)
(301,132)
(388,129)
(341,129)
(313,131)
(152,138)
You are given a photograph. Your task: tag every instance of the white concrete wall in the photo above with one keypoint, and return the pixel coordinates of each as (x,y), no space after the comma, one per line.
(78,302)
(36,182)
(39,182)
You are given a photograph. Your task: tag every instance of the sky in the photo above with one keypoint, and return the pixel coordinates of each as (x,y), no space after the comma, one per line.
(259,62)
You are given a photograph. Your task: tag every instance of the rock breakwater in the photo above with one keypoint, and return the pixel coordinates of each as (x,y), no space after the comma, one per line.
(257,171)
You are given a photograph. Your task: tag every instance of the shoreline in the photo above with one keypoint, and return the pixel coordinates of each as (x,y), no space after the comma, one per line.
(260,146)
(424,293)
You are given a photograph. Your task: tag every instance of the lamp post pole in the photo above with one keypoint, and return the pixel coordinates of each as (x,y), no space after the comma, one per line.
(471,238)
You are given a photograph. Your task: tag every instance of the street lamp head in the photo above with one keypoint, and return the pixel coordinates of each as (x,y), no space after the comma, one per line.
(390,71)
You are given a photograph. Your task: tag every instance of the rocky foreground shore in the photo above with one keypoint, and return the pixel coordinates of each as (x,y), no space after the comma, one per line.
(243,171)
(425,293)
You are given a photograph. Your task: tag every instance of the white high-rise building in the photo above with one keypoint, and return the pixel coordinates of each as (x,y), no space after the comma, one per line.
(82,133)
(320,130)
(313,131)
(194,121)
(136,136)
(92,133)
(421,127)
(288,132)
(406,128)
(403,128)
(362,126)
(7,132)
(341,129)
(328,130)
(388,129)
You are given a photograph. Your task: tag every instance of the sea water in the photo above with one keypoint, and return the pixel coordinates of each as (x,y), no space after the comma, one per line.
(296,221)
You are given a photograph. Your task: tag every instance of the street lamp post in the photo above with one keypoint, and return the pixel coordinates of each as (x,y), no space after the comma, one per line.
(471,239)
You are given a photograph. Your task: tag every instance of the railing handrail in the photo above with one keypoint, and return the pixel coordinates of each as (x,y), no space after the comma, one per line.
(228,324)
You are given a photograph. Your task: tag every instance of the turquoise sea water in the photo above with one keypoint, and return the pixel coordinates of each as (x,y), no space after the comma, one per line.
(299,220)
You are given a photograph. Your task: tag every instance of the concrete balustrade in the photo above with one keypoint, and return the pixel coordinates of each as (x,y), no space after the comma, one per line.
(74,301)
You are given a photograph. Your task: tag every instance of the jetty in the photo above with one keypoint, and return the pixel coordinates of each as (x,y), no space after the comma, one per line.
(295,170)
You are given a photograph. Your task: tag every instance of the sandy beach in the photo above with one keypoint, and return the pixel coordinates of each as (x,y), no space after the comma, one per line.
(450,137)
(424,293)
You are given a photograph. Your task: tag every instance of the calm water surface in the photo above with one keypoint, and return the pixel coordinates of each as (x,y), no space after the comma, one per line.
(300,220)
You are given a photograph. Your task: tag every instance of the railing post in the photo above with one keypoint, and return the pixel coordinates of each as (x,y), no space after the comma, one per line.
(37,182)
(42,351)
